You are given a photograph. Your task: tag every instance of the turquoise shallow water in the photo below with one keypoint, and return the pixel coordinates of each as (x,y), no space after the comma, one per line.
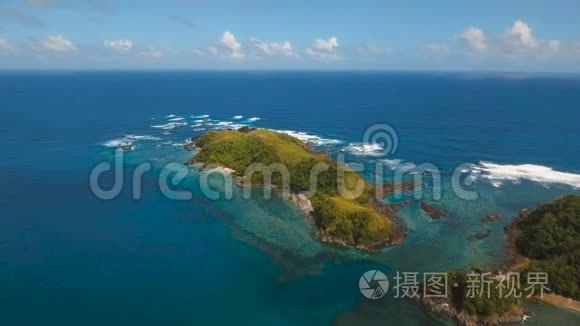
(67,257)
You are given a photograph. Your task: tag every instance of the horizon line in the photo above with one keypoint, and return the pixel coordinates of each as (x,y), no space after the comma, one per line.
(306,70)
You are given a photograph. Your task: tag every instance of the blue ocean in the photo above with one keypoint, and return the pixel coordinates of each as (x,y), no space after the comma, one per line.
(68,257)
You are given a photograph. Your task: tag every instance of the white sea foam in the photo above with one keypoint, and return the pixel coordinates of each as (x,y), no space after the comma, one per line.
(197,125)
(217,124)
(176,119)
(232,126)
(365,149)
(170,116)
(128,140)
(185,142)
(253,119)
(408,167)
(117,143)
(203,116)
(198,121)
(392,164)
(145,137)
(496,174)
(198,129)
(398,164)
(170,125)
(308,138)
(237,117)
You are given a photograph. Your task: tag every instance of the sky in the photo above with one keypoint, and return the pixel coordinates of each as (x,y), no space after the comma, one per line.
(455,35)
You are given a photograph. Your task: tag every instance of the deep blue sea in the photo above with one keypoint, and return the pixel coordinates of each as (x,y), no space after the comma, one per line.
(68,257)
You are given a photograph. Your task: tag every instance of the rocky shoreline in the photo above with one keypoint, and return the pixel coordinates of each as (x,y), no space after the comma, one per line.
(492,218)
(434,212)
(514,262)
(377,225)
(397,237)
(441,307)
(518,262)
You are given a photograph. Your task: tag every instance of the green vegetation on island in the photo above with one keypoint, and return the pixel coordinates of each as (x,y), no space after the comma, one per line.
(550,237)
(485,303)
(348,222)
(547,242)
(496,303)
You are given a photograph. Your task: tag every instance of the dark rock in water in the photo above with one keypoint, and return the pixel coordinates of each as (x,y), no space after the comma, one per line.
(190,147)
(388,189)
(520,216)
(433,211)
(391,209)
(492,218)
(192,161)
(126,148)
(443,307)
(479,235)
(194,138)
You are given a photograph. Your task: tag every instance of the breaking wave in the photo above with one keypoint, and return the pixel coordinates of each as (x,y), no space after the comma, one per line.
(224,125)
(365,149)
(308,138)
(498,173)
(128,140)
(171,125)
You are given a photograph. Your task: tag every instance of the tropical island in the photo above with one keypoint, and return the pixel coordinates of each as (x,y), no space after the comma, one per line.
(490,307)
(542,240)
(547,239)
(362,222)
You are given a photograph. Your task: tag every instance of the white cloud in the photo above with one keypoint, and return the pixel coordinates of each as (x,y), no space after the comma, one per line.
(322,55)
(519,40)
(474,38)
(373,50)
(437,49)
(229,46)
(229,41)
(272,48)
(120,45)
(58,43)
(325,45)
(324,49)
(521,35)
